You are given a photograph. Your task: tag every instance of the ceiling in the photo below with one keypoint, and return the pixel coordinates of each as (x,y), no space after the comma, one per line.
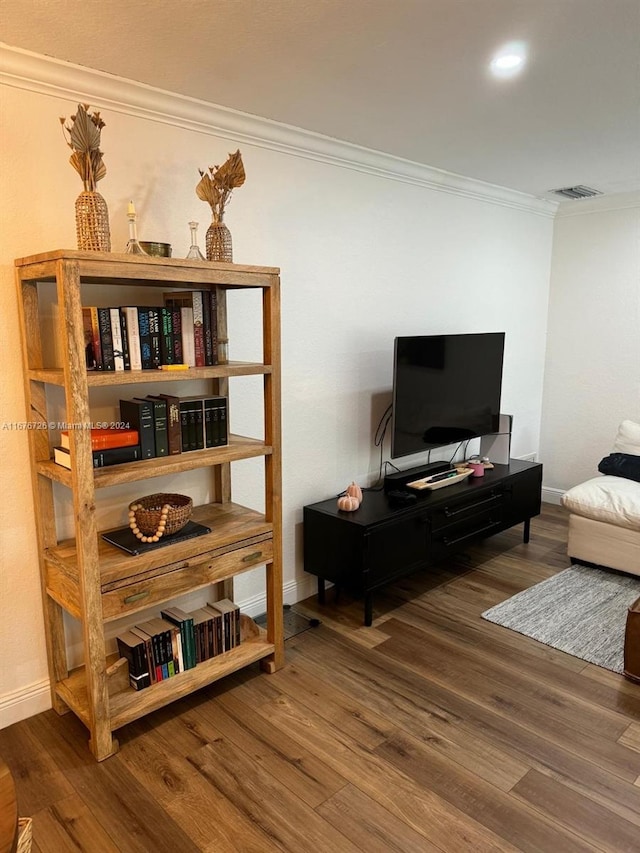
(408,77)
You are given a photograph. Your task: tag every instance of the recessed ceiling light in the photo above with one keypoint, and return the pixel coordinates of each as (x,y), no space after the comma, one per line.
(509,60)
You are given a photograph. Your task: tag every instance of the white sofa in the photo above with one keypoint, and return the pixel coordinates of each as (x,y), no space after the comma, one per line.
(604,520)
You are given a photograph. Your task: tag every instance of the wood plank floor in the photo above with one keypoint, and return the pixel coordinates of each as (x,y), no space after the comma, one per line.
(432,730)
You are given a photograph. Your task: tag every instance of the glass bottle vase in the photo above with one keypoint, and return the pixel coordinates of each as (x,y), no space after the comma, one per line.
(92,222)
(218,242)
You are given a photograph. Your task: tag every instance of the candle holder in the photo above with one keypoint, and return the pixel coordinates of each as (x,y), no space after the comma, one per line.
(133,246)
(194,251)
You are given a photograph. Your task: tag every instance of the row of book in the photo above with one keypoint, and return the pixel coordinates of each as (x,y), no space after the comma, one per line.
(153,426)
(182,331)
(164,646)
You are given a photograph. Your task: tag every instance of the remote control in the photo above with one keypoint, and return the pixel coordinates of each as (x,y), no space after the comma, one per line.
(444,476)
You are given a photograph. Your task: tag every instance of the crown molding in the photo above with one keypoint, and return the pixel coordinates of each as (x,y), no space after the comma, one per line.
(34,72)
(599,204)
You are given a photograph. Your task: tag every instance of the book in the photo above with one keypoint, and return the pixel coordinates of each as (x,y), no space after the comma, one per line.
(188,339)
(116,338)
(107,361)
(92,349)
(230,621)
(163,637)
(138,414)
(130,315)
(159,406)
(218,629)
(176,328)
(105,438)
(134,649)
(144,334)
(184,621)
(192,299)
(191,423)
(215,421)
(124,539)
(213,308)
(153,651)
(126,356)
(154,336)
(203,631)
(147,639)
(208,332)
(101,458)
(166,335)
(174,429)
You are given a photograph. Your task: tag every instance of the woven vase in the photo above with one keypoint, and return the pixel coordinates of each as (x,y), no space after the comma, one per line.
(92,222)
(218,242)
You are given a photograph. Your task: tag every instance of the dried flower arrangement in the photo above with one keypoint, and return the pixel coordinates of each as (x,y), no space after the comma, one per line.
(216,185)
(84,141)
(92,215)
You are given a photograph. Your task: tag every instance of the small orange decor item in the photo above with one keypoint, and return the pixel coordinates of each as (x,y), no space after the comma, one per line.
(347,503)
(355,491)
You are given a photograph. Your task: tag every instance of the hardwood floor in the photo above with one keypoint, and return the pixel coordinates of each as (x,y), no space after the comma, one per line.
(432,730)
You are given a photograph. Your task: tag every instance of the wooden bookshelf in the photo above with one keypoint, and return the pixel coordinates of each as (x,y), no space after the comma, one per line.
(91,579)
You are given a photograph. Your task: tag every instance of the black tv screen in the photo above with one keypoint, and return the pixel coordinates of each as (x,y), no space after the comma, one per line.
(446,389)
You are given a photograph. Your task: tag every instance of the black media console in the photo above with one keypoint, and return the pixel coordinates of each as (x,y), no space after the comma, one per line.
(378,543)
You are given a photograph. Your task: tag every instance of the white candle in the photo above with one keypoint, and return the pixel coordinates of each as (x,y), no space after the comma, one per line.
(131,209)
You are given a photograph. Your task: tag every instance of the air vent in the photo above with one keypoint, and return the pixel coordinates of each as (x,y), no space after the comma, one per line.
(579,191)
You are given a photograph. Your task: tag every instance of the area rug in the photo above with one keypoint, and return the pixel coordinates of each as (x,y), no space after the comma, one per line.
(581,611)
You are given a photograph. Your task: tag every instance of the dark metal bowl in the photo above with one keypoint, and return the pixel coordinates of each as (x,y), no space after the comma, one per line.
(160,250)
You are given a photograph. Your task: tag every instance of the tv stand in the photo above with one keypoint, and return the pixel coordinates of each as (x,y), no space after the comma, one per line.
(379,543)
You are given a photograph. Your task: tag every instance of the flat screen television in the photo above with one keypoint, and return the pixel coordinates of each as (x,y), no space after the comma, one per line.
(446,389)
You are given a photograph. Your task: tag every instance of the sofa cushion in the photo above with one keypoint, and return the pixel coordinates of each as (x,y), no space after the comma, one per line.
(628,438)
(614,500)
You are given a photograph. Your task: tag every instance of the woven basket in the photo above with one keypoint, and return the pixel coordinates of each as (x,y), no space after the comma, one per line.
(25,834)
(148,515)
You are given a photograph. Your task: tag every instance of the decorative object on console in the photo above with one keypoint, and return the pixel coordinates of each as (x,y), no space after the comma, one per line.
(355,491)
(194,253)
(215,187)
(92,214)
(133,246)
(348,503)
(158,515)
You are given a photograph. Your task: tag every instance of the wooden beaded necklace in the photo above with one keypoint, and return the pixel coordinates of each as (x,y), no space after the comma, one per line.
(133,524)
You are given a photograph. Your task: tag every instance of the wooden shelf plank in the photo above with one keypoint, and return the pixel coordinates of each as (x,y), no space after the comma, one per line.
(98,379)
(117,269)
(239,447)
(130,704)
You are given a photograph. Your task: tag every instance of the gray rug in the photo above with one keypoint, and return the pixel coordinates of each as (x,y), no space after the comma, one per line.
(581,611)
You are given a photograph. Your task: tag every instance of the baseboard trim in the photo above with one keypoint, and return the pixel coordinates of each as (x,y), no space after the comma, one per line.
(25,702)
(552,496)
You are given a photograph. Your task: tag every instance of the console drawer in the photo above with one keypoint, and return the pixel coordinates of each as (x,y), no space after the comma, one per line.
(467,507)
(448,540)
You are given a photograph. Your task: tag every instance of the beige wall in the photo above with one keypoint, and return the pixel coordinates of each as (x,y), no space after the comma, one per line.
(370,248)
(592,377)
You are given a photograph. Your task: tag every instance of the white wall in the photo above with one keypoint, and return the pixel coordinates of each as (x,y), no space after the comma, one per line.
(592,377)
(370,247)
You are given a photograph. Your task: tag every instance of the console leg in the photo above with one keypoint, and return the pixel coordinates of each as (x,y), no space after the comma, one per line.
(321,596)
(527,530)
(368,609)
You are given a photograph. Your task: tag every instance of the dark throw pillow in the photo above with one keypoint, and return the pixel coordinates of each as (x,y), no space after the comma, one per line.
(621,465)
